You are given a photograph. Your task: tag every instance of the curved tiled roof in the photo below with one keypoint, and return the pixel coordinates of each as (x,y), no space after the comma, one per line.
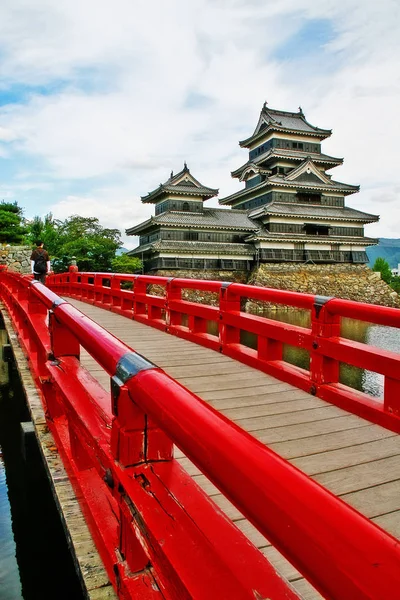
(183,183)
(210,218)
(265,235)
(315,211)
(279,181)
(296,155)
(281,120)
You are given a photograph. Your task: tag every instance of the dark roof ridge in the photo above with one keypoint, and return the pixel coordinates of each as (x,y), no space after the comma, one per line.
(299,114)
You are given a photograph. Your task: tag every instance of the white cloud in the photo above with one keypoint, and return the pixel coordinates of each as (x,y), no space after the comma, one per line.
(113,207)
(131,89)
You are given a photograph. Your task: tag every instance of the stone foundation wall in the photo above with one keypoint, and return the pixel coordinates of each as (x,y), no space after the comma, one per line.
(237,276)
(17,258)
(209,298)
(351,282)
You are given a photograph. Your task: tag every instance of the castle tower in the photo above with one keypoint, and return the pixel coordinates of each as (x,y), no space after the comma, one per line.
(184,234)
(299,207)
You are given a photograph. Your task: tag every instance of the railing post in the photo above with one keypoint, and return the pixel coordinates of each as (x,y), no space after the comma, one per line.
(269,349)
(134,437)
(173,293)
(62,343)
(98,289)
(228,302)
(128,426)
(139,289)
(35,305)
(391,396)
(116,299)
(323,325)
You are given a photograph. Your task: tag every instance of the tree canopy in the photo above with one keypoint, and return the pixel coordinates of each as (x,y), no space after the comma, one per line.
(382,266)
(83,238)
(12,230)
(126,264)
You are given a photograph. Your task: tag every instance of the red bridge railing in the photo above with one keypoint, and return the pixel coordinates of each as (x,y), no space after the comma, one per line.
(171,312)
(157,532)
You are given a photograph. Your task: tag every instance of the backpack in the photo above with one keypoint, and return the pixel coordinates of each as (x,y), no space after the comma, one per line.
(40,266)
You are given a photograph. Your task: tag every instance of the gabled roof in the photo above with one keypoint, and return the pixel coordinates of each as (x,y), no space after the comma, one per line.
(252,166)
(330,186)
(280,181)
(209,218)
(183,183)
(307,168)
(292,155)
(283,121)
(314,211)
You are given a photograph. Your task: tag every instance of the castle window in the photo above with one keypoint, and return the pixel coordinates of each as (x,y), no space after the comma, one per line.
(309,198)
(185,206)
(191,235)
(300,146)
(313,229)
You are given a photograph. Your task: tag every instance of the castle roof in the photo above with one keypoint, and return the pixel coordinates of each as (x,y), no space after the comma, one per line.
(314,211)
(286,122)
(188,247)
(209,218)
(305,177)
(295,155)
(184,184)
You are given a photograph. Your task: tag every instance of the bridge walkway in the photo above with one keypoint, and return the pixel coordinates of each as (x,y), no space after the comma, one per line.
(356,460)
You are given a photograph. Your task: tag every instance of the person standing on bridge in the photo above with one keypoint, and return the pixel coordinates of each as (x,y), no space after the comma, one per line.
(40,262)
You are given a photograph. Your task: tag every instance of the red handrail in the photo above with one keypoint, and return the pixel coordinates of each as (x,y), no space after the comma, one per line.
(337,549)
(173,311)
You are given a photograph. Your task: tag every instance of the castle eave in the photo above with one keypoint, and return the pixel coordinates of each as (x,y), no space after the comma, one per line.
(320,239)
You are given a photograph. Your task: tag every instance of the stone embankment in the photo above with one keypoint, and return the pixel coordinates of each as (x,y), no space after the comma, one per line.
(196,295)
(351,282)
(16,258)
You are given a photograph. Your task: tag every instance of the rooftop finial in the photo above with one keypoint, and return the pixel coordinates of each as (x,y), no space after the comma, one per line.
(185,166)
(172,174)
(300,110)
(265,104)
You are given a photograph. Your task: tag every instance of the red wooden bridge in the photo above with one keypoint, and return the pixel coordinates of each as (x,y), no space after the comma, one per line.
(284,482)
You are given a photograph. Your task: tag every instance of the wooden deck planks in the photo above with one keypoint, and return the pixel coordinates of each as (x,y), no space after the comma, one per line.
(354,459)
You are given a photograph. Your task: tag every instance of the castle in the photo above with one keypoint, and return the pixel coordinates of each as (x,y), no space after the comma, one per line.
(290,210)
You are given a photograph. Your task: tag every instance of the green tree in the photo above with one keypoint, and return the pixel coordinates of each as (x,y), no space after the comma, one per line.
(383,267)
(83,238)
(126,264)
(395,284)
(12,230)
(46,230)
(92,245)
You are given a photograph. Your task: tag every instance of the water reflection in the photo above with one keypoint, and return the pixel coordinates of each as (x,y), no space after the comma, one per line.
(9,575)
(34,558)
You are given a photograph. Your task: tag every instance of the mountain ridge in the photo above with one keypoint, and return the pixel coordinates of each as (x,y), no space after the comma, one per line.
(388,248)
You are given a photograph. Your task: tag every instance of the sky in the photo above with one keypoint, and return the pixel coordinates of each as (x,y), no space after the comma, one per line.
(101,99)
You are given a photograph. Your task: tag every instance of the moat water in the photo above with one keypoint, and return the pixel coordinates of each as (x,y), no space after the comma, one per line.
(35,562)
